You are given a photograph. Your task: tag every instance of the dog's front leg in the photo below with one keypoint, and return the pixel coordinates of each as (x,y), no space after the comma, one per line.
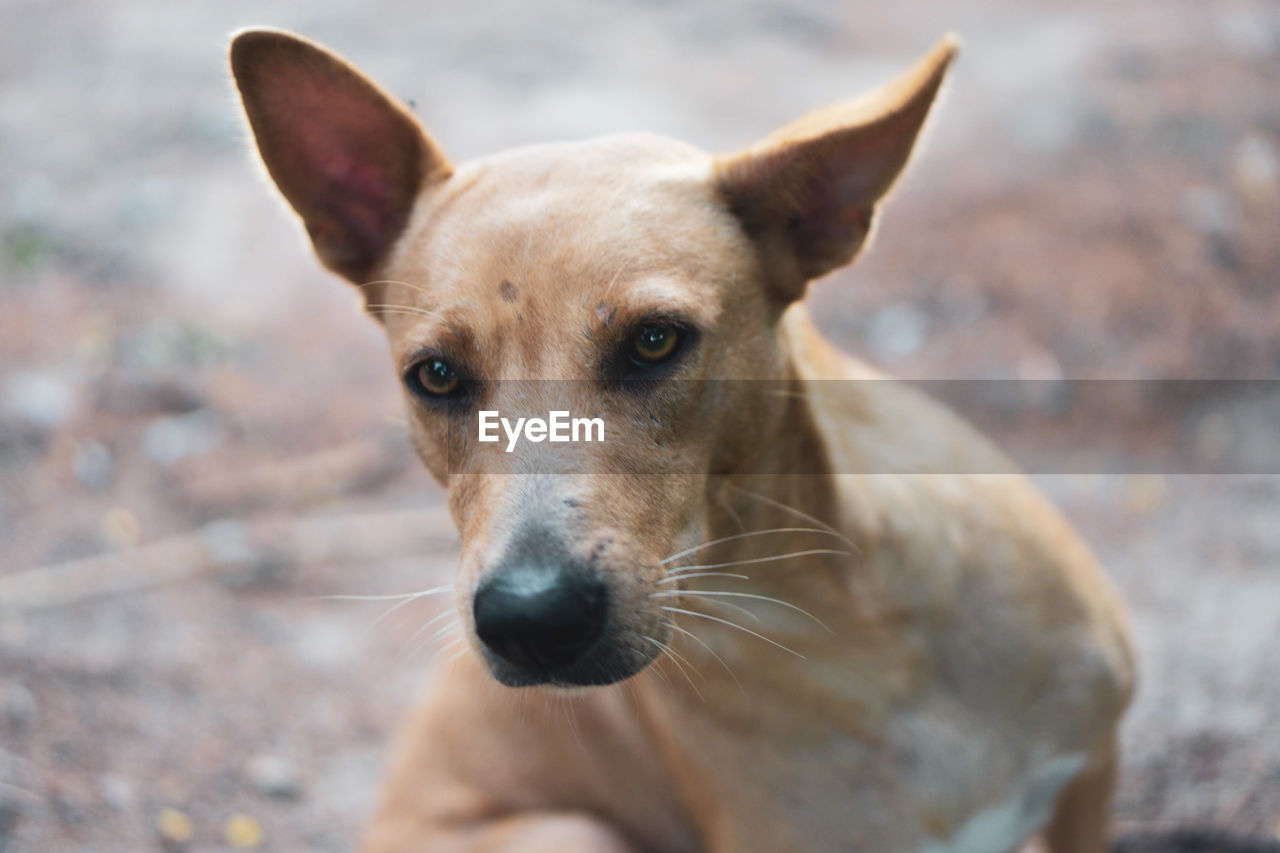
(1082,815)
(479,767)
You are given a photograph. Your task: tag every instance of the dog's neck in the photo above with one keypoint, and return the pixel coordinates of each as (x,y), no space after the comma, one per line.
(789,476)
(786,505)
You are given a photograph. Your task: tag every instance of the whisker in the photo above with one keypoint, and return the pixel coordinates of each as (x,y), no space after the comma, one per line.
(401,600)
(668,652)
(736,607)
(798,513)
(567,706)
(443,632)
(459,653)
(736,536)
(673,626)
(676,655)
(444,629)
(731,512)
(418,633)
(733,625)
(439,635)
(773,559)
(410,595)
(453,644)
(401,309)
(657,670)
(392,609)
(684,577)
(416,287)
(716,592)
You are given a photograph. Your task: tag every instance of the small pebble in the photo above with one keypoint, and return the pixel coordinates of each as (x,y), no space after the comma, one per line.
(1256,169)
(169,439)
(274,776)
(174,826)
(40,399)
(120,528)
(242,832)
(116,792)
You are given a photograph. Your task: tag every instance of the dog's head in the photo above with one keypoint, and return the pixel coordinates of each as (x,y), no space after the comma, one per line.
(608,278)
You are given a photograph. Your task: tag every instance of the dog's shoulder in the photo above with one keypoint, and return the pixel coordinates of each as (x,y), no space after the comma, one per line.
(1003,589)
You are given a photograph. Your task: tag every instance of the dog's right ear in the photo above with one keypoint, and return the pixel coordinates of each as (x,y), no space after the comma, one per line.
(348,158)
(807,194)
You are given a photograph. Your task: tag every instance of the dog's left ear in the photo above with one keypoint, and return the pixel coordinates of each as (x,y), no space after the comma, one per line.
(807,193)
(347,156)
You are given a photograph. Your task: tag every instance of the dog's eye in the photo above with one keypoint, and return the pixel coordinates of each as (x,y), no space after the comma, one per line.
(436,378)
(654,343)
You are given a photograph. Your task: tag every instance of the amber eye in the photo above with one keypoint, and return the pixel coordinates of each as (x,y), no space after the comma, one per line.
(654,343)
(437,378)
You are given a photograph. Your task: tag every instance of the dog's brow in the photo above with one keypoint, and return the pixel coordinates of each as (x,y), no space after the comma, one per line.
(656,296)
(449,332)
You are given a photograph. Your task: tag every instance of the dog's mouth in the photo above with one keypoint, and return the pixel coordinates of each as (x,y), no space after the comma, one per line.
(608,664)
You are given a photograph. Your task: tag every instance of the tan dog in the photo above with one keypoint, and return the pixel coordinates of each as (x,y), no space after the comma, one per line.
(771,651)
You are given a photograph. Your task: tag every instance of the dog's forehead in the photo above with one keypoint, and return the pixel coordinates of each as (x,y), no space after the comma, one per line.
(573,211)
(636,160)
(602,156)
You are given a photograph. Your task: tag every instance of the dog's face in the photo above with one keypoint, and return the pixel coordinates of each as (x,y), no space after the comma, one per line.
(556,281)
(612,279)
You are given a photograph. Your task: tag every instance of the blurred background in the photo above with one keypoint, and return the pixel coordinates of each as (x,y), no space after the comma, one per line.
(200,437)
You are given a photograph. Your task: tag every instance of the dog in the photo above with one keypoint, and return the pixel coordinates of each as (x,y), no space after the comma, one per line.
(826,617)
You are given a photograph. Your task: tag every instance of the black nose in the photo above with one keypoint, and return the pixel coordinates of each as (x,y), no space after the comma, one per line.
(540,617)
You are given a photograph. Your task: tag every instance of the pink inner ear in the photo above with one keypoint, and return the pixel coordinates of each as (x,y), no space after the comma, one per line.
(350,165)
(336,163)
(343,139)
(350,184)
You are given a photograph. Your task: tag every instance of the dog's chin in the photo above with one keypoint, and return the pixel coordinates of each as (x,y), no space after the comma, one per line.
(600,668)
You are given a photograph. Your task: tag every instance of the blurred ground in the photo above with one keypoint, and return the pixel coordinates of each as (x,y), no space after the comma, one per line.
(1099,198)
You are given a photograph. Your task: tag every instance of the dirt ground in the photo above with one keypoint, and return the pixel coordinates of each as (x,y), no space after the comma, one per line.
(200,439)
